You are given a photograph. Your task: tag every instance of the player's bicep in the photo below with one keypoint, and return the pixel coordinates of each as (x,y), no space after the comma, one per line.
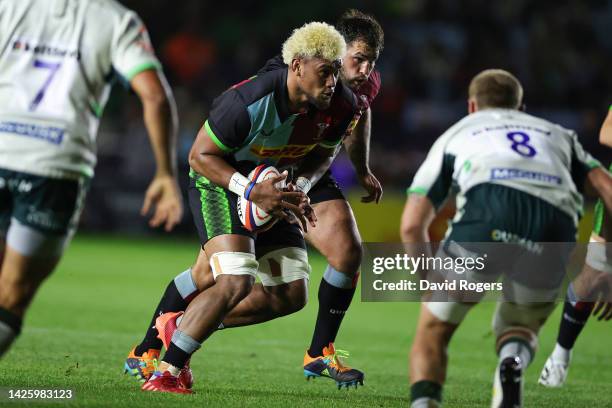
(202,146)
(150,85)
(228,124)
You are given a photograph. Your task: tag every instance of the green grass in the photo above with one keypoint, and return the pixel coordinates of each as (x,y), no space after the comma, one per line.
(98,302)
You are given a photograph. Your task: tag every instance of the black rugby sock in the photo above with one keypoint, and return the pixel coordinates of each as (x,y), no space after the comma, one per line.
(333,303)
(179,292)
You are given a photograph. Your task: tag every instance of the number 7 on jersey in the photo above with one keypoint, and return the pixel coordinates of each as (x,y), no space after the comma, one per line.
(53,68)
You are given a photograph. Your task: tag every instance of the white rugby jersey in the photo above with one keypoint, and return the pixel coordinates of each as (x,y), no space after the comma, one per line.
(57,59)
(510,148)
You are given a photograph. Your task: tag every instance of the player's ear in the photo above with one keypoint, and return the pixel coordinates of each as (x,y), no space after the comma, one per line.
(296,66)
(472,105)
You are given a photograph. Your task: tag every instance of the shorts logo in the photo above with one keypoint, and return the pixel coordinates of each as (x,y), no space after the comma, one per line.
(289,151)
(47,219)
(509,237)
(510,173)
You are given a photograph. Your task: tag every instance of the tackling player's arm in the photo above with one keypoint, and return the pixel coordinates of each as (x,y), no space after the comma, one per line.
(133,58)
(601,181)
(588,172)
(160,117)
(601,283)
(429,190)
(605,133)
(313,167)
(357,145)
(418,215)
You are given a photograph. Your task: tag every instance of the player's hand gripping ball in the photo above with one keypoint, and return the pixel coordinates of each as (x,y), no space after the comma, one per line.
(251,216)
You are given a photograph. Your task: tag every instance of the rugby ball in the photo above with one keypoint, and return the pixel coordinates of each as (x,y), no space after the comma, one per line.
(252,217)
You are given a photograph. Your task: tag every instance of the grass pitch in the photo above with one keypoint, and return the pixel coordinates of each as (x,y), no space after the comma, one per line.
(99,301)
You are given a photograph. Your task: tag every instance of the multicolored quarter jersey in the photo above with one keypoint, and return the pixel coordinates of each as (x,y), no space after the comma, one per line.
(57,59)
(509,148)
(368,91)
(251,121)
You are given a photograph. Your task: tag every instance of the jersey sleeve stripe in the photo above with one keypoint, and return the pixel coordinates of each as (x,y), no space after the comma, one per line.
(330,144)
(594,164)
(215,139)
(417,190)
(142,67)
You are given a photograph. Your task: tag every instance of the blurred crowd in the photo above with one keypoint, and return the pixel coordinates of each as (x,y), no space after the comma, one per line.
(561,51)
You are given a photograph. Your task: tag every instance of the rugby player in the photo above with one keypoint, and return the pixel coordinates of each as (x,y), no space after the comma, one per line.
(594,282)
(540,203)
(268,113)
(57,57)
(336,226)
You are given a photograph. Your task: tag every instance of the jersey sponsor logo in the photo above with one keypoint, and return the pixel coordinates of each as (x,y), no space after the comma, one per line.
(499,173)
(511,127)
(43,49)
(288,151)
(47,133)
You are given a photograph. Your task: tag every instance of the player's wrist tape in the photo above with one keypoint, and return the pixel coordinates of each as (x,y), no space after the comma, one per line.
(238,184)
(303,184)
(247,192)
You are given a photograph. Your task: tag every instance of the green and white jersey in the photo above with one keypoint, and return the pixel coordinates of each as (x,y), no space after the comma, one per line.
(509,148)
(57,59)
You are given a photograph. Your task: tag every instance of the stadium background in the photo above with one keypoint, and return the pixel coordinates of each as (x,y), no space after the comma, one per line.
(98,302)
(560,50)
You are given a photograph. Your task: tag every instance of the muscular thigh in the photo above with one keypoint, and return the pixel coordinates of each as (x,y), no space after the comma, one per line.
(336,231)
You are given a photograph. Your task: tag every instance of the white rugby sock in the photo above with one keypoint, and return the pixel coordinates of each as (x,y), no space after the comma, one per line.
(562,354)
(425,402)
(516,349)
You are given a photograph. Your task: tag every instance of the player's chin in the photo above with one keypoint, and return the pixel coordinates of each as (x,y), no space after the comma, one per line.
(323,102)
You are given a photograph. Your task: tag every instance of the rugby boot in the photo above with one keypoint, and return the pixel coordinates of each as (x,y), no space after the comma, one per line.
(331,366)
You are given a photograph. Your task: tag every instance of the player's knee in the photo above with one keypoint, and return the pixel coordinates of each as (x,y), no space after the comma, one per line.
(235,288)
(296,302)
(235,273)
(582,287)
(431,341)
(16,297)
(439,330)
(346,256)
(202,276)
(523,321)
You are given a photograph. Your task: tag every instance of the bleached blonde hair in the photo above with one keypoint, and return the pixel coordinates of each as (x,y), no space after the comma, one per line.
(314,40)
